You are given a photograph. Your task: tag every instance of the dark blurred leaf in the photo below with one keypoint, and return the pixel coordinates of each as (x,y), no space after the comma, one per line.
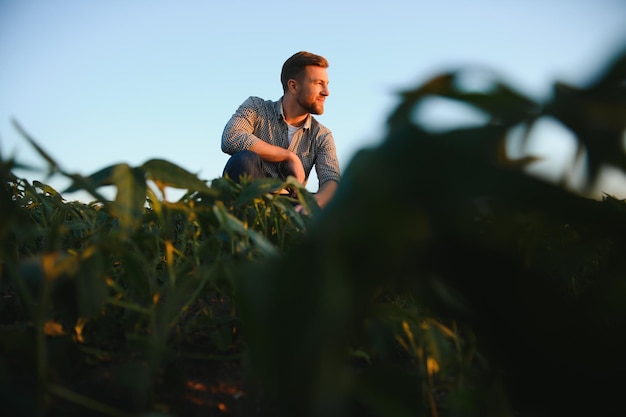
(596,114)
(403,114)
(597,118)
(391,392)
(614,74)
(503,104)
(52,164)
(100,178)
(91,287)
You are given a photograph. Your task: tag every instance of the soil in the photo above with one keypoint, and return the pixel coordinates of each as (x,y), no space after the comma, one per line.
(192,388)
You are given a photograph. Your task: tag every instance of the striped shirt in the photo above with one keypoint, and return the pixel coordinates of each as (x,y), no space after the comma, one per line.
(258,119)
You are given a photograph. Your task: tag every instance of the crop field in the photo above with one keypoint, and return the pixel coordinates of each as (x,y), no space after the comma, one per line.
(442,280)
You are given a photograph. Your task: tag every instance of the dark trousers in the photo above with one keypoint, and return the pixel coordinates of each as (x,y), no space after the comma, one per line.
(250,163)
(244,163)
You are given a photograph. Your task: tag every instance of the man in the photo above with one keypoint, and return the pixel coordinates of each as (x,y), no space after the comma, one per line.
(280,138)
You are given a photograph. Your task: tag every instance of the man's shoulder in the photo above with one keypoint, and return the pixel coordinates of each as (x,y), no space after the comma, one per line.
(262,104)
(258,101)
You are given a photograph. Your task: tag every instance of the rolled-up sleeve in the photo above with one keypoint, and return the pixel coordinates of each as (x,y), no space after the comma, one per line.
(327,163)
(237,135)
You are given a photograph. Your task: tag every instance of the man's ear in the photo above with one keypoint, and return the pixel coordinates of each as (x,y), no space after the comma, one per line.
(292,85)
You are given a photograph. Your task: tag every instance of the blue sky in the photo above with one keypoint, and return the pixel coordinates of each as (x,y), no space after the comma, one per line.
(97,83)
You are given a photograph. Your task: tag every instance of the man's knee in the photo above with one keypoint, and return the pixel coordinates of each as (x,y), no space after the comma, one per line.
(242,163)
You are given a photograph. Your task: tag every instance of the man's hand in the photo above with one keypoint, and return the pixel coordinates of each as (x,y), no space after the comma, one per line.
(300,209)
(291,162)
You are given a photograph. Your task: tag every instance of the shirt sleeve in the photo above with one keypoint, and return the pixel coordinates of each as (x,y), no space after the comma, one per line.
(327,163)
(237,135)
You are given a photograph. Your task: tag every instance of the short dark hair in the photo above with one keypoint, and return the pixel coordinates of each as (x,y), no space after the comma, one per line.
(294,66)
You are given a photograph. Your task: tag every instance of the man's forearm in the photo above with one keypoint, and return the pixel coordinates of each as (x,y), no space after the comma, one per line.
(271,153)
(326,192)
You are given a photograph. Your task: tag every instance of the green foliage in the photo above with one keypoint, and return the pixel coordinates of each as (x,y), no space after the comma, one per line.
(442,280)
(132,283)
(525,276)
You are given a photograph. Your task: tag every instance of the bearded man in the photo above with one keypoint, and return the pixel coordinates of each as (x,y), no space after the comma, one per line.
(281,138)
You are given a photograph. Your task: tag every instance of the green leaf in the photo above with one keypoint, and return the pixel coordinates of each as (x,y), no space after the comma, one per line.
(234,225)
(305,198)
(130,197)
(46,188)
(91,287)
(168,174)
(98,179)
(257,188)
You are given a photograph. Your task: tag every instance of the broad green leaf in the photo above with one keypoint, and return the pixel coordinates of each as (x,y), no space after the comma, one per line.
(131,196)
(165,173)
(46,188)
(100,178)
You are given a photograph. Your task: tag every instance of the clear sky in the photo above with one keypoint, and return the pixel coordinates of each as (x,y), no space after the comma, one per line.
(97,83)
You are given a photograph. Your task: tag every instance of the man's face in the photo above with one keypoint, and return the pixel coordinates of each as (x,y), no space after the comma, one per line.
(313,89)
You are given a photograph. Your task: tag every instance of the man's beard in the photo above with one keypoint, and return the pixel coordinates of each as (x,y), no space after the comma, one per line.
(313,108)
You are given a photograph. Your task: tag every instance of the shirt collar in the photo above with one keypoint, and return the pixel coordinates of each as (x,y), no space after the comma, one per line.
(279,108)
